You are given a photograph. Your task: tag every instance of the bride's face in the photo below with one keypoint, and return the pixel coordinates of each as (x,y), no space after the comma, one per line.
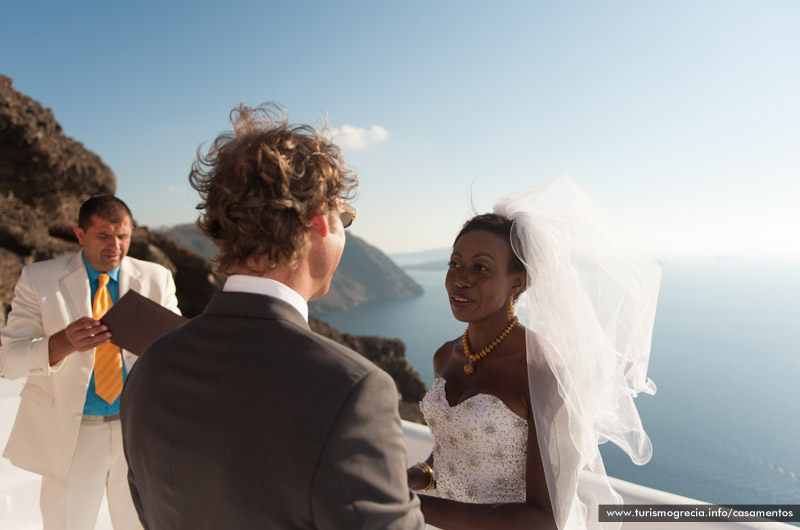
(478,280)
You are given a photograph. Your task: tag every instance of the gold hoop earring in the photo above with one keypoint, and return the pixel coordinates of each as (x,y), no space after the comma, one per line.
(510,305)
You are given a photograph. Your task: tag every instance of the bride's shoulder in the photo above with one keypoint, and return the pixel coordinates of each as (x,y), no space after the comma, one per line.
(445,352)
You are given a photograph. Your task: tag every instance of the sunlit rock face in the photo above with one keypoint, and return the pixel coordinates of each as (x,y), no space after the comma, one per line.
(45,176)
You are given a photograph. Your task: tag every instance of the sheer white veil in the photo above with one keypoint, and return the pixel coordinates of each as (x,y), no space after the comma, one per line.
(589,310)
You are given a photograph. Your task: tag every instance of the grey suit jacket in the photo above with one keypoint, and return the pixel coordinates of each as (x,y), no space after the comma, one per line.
(245,418)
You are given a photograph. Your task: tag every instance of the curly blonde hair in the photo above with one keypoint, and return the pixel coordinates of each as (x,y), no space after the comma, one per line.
(261,183)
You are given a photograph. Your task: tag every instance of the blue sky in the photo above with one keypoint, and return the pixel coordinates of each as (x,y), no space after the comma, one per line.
(682,118)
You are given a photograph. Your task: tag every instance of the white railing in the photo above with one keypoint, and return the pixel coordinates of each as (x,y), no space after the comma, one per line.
(19,490)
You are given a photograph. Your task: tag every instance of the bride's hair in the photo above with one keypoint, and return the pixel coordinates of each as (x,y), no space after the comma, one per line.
(502,227)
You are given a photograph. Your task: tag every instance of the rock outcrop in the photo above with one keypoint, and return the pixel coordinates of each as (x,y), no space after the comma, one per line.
(44,178)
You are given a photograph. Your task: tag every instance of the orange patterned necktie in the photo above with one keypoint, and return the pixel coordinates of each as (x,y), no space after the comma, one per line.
(107,359)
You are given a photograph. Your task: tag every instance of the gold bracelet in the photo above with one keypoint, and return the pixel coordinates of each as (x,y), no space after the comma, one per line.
(426,468)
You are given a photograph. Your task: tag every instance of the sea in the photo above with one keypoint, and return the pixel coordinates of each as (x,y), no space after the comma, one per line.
(725,420)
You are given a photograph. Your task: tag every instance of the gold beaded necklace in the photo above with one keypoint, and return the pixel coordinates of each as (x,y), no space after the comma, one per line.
(475,357)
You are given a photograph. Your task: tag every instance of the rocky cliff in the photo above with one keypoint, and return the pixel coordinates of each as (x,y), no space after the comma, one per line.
(44,178)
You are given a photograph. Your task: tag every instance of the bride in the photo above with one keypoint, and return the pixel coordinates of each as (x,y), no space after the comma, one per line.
(520,403)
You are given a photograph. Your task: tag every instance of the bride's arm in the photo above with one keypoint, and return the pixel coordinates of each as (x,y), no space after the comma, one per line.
(419,477)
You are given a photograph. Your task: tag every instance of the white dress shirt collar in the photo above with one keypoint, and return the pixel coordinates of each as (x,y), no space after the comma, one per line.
(243,283)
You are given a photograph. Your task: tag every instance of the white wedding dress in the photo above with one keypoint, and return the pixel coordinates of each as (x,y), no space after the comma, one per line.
(479,450)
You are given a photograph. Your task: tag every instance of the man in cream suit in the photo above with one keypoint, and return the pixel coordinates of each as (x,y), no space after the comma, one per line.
(64,430)
(243,417)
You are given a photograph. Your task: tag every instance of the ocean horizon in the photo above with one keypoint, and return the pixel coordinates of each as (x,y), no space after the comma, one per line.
(724,358)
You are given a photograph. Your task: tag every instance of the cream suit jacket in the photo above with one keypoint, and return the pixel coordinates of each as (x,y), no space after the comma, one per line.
(48,296)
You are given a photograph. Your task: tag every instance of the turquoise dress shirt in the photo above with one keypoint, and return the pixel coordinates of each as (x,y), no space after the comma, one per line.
(95,405)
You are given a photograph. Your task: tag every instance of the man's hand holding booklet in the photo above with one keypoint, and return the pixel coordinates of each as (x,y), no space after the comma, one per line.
(135,322)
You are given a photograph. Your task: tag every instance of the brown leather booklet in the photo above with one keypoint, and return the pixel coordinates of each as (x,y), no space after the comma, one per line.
(135,321)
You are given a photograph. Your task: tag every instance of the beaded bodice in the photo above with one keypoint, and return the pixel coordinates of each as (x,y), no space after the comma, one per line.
(479,447)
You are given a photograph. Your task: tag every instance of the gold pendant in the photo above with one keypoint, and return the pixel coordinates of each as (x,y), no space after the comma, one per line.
(468,369)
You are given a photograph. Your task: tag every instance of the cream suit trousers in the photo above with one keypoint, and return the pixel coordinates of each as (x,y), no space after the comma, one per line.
(73,502)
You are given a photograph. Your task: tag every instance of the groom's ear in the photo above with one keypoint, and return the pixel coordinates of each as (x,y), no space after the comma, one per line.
(319,224)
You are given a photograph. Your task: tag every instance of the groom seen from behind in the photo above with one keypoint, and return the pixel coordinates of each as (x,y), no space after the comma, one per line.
(243,417)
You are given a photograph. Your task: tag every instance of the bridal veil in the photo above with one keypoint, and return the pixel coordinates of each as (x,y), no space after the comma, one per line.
(589,310)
